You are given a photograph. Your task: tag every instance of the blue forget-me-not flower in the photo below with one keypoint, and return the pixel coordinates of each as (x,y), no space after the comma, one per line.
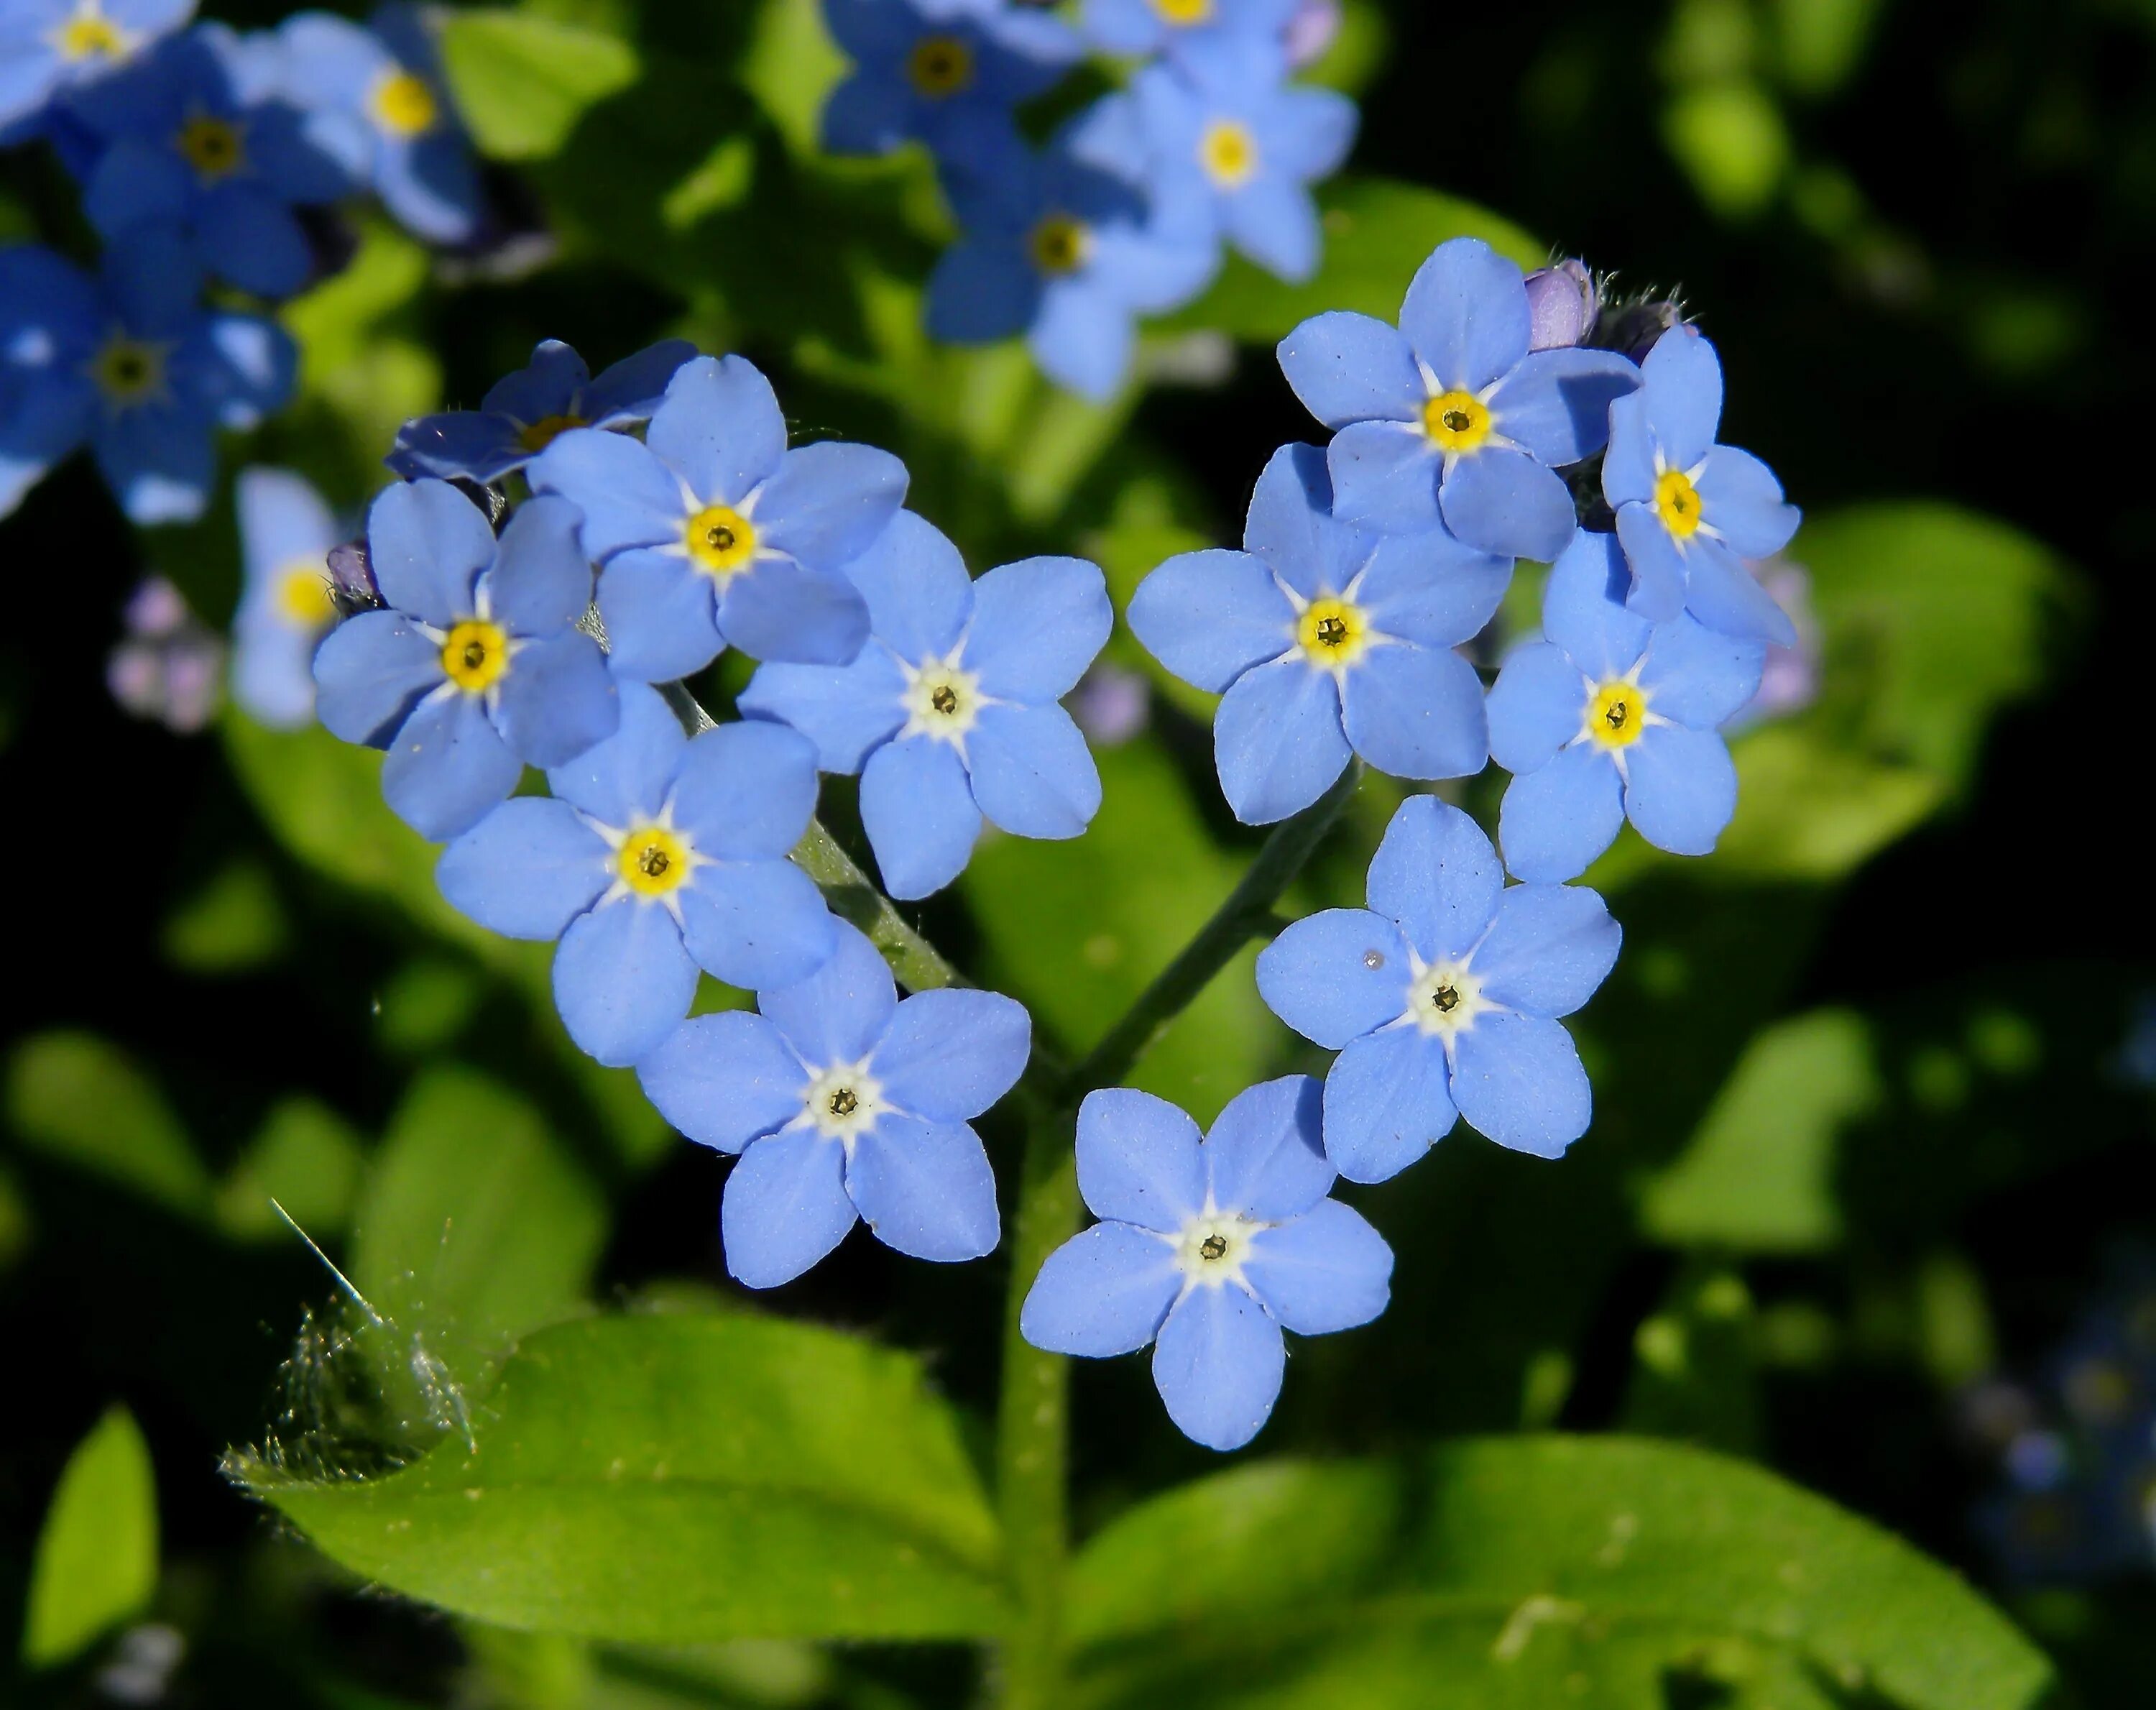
(285,605)
(710,533)
(375,99)
(525,413)
(657,856)
(47,46)
(1151,27)
(476,664)
(1324,639)
(1690,510)
(950,713)
(845,1104)
(1452,414)
(1442,997)
(1609,717)
(132,363)
(1208,1249)
(191,134)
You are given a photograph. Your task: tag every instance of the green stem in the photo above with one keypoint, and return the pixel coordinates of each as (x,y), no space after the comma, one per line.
(852,897)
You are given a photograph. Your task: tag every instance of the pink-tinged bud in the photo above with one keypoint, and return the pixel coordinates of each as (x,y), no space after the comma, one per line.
(168,667)
(351,579)
(1313,29)
(1562,303)
(1112,705)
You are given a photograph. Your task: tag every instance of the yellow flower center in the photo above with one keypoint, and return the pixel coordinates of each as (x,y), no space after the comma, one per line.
(539,434)
(1456,421)
(721,540)
(1229,152)
(475,654)
(302,594)
(212,146)
(1333,632)
(939,66)
(89,34)
(401,104)
(654,860)
(129,370)
(1676,502)
(1061,244)
(1184,11)
(1617,714)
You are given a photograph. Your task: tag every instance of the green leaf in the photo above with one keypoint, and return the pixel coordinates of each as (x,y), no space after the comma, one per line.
(1527,1572)
(679,1480)
(522,82)
(232,924)
(1730,139)
(1808,809)
(82,1099)
(306,1157)
(96,1564)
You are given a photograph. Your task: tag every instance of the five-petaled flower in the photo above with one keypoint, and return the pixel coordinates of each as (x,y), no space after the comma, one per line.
(845,1103)
(1442,997)
(657,856)
(476,664)
(1325,639)
(285,603)
(949,713)
(50,46)
(1609,717)
(1452,414)
(1208,1249)
(710,533)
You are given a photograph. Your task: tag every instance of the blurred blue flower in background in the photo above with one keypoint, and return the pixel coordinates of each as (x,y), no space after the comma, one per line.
(1442,997)
(846,1105)
(525,413)
(657,856)
(1149,27)
(1325,639)
(47,46)
(1208,1249)
(286,532)
(1609,717)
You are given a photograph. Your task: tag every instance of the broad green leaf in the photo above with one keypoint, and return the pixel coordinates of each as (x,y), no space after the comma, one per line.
(1758,1175)
(83,1100)
(1808,809)
(234,923)
(1730,139)
(681,1479)
(97,1564)
(1818,43)
(521,82)
(307,1158)
(1527,1572)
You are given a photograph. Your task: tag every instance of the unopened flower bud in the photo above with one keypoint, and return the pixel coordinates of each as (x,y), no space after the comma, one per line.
(1562,301)
(351,579)
(1633,327)
(1311,29)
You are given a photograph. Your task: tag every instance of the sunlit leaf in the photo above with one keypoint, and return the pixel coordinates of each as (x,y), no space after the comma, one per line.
(96,1561)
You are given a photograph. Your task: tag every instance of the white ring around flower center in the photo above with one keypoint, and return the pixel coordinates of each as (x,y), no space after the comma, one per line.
(941,700)
(1213,1245)
(1445,997)
(842,1102)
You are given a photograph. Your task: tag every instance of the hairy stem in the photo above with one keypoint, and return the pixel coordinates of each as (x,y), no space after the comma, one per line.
(852,897)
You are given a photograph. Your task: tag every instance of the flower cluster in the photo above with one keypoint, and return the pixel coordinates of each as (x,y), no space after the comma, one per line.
(1127,209)
(206,160)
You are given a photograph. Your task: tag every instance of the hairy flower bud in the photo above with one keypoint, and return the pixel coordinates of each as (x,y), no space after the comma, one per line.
(351,578)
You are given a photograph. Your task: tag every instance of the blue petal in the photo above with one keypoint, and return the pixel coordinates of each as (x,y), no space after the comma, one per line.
(159,462)
(1388,1101)
(756,924)
(800,612)
(447,766)
(547,386)
(623,981)
(1312,130)
(240,367)
(1557,818)
(1428,588)
(431,186)
(918,594)
(871,29)
(371,670)
(1264,1154)
(632,388)
(1336,975)
(725,1079)
(948,1056)
(981,291)
(1273,221)
(660,621)
(1466,314)
(918,810)
(1209,616)
(720,428)
(745,792)
(1140,1160)
(926,1188)
(846,711)
(627,495)
(558,700)
(468,444)
(1277,740)
(1518,1079)
(1032,773)
(250,238)
(1535,707)
(136,180)
(836,1014)
(541,580)
(1628,467)
(869,113)
(1289,526)
(1550,948)
(1556,403)
(1038,625)
(1683,393)
(1436,875)
(1082,338)
(1104,1291)
(1680,787)
(1218,1365)
(1385,477)
(785,1208)
(828,502)
(1505,502)
(272,673)
(1660,573)
(527,869)
(1725,596)
(1325,1272)
(1741,502)
(1416,712)
(427,544)
(1583,609)
(1698,677)
(626,777)
(1348,367)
